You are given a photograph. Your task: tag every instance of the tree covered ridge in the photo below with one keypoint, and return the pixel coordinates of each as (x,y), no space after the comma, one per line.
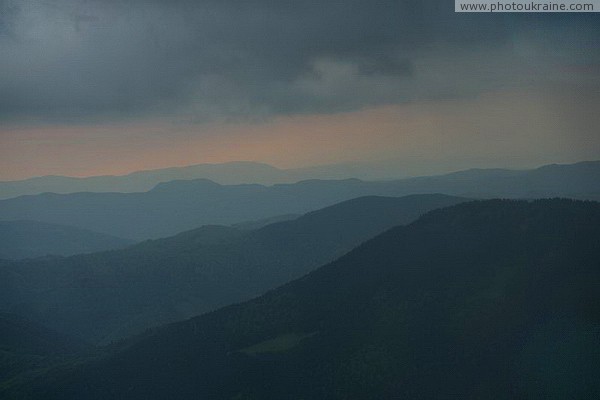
(488,299)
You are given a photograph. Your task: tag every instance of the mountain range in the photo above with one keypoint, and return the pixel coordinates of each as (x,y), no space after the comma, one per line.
(230,173)
(105,296)
(141,181)
(29,239)
(176,206)
(490,299)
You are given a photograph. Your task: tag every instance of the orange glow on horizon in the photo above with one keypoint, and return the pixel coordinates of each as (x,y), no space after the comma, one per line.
(521,128)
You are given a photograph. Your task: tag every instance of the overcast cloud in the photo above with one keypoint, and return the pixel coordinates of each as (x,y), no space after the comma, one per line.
(200,60)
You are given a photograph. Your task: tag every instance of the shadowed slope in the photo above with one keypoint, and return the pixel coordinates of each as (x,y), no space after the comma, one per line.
(105,296)
(25,345)
(28,239)
(493,299)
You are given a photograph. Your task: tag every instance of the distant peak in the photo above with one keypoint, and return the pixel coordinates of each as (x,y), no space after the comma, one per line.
(581,164)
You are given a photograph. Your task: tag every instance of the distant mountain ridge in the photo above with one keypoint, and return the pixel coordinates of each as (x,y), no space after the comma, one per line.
(106,296)
(490,299)
(230,173)
(180,205)
(28,239)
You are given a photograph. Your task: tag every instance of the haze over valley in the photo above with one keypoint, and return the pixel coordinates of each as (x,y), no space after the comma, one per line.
(254,200)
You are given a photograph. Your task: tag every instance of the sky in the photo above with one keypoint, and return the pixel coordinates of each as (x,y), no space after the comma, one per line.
(109,87)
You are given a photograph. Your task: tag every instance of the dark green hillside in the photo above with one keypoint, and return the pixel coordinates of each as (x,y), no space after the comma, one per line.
(106,296)
(28,239)
(483,300)
(25,345)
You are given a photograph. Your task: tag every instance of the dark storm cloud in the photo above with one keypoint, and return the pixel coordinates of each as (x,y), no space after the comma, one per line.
(111,59)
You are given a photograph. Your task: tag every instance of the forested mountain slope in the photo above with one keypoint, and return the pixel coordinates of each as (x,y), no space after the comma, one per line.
(28,239)
(105,296)
(490,299)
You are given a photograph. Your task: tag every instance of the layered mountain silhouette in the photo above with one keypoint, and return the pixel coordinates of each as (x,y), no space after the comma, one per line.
(490,299)
(28,239)
(175,206)
(109,295)
(244,172)
(259,223)
(232,173)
